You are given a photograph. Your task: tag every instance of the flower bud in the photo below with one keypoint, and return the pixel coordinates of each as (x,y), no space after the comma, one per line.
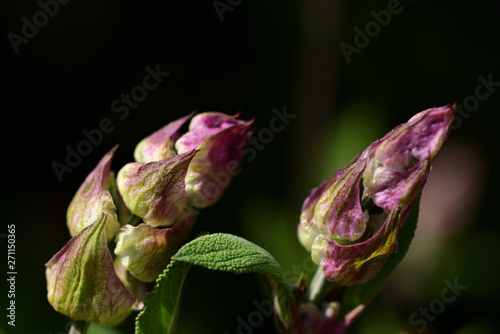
(160,144)
(82,283)
(145,250)
(221,140)
(350,223)
(396,157)
(155,191)
(93,198)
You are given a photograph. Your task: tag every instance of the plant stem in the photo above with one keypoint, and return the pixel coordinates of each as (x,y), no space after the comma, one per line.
(133,220)
(79,327)
(319,286)
(316,285)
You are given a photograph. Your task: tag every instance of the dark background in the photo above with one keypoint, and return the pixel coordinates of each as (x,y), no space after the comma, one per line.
(263,55)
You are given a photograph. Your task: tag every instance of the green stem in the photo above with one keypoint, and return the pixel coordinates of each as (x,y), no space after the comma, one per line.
(133,220)
(319,286)
(79,327)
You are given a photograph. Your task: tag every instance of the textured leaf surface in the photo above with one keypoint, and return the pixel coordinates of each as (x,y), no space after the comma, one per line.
(163,303)
(225,252)
(221,252)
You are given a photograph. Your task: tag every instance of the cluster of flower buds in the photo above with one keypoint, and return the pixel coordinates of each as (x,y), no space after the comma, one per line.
(350,222)
(173,176)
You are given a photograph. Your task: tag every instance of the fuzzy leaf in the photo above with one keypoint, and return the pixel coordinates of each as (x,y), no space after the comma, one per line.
(226,252)
(221,252)
(163,303)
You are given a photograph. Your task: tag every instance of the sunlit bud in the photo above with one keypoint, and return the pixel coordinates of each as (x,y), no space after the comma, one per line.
(359,210)
(145,250)
(93,198)
(82,283)
(156,191)
(160,144)
(221,140)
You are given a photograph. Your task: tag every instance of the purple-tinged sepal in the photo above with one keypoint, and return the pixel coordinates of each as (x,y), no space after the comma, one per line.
(307,230)
(82,283)
(357,263)
(93,198)
(222,140)
(156,191)
(339,212)
(397,156)
(145,250)
(160,144)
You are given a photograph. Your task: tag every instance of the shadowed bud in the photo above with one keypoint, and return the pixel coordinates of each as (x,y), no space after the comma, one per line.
(155,191)
(160,144)
(93,198)
(137,288)
(145,250)
(82,283)
(350,223)
(221,140)
(311,318)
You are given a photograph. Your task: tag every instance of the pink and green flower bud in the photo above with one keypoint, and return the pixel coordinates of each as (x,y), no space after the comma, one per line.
(156,191)
(82,283)
(221,140)
(160,144)
(145,250)
(93,198)
(350,223)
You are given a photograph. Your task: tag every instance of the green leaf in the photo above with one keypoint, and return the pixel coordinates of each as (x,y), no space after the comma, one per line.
(163,303)
(229,253)
(364,293)
(221,252)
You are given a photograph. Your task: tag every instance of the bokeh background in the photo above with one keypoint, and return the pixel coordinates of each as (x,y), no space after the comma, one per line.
(262,55)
